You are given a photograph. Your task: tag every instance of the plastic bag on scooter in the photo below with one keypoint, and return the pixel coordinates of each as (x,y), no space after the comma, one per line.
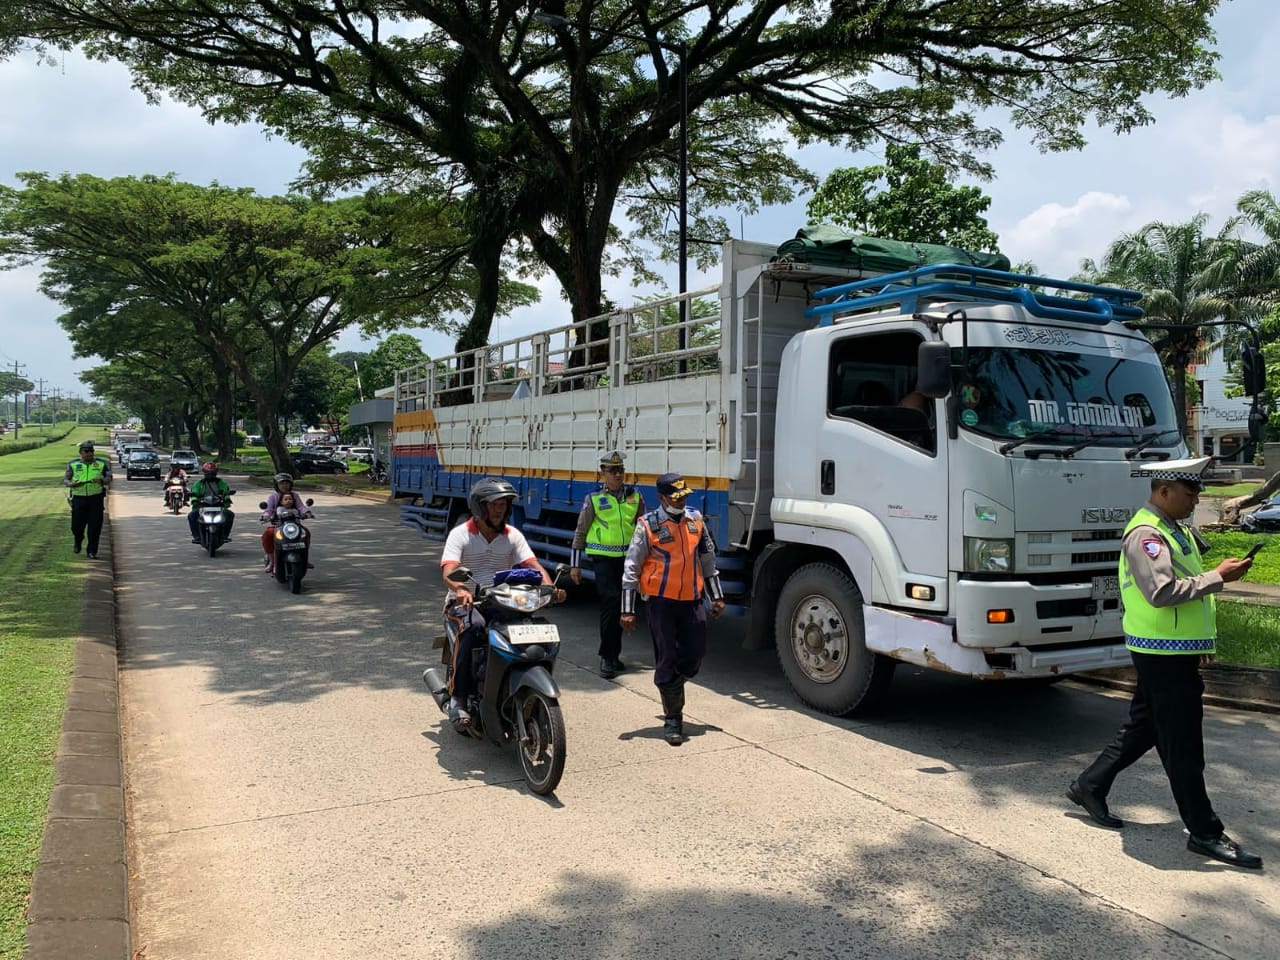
(518,577)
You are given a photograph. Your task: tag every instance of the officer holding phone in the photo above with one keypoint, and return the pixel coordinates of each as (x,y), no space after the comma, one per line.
(1170,626)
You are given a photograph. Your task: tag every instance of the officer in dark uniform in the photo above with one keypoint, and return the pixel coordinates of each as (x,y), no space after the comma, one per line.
(1170,626)
(606,524)
(87,479)
(672,561)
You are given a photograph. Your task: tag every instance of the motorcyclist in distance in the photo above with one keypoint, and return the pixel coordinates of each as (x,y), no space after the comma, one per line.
(209,484)
(484,544)
(176,475)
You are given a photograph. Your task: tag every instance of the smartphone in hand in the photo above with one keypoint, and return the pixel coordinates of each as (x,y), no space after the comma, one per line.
(1253,550)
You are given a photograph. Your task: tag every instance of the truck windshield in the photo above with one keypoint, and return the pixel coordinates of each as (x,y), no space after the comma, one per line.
(1011,394)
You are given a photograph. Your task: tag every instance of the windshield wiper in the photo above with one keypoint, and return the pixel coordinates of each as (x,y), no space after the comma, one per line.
(1147,441)
(1053,435)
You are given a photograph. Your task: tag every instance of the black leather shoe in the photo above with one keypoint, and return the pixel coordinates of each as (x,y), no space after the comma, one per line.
(619,666)
(92,556)
(75,548)
(1093,805)
(1225,849)
(673,731)
(606,668)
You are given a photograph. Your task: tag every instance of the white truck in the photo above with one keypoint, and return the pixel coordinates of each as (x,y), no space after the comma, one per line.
(933,466)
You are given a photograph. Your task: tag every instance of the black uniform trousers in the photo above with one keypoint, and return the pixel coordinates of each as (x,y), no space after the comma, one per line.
(679,631)
(1166,713)
(608,571)
(86,517)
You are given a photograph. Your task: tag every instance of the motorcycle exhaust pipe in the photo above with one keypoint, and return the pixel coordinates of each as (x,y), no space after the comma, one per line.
(434,678)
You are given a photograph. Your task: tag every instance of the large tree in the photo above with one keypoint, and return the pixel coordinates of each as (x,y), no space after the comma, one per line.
(260,282)
(545,130)
(905,198)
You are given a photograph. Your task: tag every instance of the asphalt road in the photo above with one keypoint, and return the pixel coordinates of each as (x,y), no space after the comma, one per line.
(293,791)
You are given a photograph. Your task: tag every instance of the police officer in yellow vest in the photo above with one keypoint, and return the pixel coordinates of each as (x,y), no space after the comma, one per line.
(1169,626)
(672,561)
(87,479)
(606,524)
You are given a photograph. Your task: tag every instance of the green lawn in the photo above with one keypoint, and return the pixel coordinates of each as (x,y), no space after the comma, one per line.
(1249,634)
(39,617)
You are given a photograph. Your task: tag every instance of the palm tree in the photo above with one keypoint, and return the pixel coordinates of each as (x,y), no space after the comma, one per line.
(1180,269)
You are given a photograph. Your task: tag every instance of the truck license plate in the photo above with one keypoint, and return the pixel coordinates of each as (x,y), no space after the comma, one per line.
(1106,588)
(523,633)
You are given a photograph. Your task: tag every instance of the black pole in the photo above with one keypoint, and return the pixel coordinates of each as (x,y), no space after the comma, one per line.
(682,51)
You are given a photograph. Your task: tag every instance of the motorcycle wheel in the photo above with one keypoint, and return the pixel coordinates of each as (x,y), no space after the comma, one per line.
(211,542)
(282,573)
(296,571)
(542,752)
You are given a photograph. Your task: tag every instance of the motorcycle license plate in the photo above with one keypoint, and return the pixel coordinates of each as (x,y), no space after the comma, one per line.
(292,546)
(1106,588)
(524,633)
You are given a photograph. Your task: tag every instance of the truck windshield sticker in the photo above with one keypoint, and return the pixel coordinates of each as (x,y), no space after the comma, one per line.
(969,395)
(969,418)
(1049,413)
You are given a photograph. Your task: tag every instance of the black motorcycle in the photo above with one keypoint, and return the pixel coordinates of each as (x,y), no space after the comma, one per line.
(292,548)
(211,521)
(518,700)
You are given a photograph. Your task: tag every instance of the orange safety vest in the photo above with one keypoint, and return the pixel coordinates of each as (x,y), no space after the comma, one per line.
(671,570)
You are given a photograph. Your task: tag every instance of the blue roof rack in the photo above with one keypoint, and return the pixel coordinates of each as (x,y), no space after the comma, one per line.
(954,281)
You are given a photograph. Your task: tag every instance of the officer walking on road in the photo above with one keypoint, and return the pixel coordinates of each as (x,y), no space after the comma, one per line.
(1170,627)
(672,561)
(88,479)
(606,524)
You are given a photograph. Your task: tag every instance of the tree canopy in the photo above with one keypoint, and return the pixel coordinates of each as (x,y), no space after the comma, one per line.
(905,198)
(541,131)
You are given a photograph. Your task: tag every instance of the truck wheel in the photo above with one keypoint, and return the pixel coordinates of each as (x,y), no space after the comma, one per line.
(821,643)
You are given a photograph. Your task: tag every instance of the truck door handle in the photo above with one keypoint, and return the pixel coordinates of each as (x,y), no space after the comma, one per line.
(828,476)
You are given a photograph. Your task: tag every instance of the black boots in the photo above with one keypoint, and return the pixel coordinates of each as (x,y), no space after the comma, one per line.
(672,712)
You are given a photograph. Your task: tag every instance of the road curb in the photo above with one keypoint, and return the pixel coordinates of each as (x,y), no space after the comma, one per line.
(79,906)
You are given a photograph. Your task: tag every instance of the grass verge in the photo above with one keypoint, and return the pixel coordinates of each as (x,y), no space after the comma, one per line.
(39,618)
(1248,634)
(1236,543)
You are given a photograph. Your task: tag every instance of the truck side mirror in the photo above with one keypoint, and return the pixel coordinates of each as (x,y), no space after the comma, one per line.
(933,369)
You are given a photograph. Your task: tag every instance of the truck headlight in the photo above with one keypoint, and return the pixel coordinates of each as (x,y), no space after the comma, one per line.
(987,556)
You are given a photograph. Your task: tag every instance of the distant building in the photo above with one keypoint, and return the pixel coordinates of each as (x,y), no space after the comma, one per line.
(1220,424)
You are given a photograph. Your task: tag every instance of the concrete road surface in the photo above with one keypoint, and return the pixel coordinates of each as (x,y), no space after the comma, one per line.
(293,792)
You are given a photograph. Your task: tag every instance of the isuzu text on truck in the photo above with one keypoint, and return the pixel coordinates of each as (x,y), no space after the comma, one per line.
(973,527)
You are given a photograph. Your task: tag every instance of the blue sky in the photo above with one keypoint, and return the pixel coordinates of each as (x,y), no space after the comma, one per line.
(1203,152)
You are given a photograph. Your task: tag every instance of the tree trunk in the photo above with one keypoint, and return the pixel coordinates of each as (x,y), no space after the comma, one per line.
(1231,508)
(274,437)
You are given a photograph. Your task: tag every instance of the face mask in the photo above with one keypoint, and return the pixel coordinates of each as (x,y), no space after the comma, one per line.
(673,512)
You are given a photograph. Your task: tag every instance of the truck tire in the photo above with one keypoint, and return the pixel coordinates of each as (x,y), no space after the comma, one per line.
(818,632)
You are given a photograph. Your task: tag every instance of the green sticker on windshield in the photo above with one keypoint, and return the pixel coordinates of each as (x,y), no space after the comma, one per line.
(969,418)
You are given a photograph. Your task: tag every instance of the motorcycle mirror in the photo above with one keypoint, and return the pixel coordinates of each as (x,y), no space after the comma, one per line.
(310,502)
(230,492)
(458,574)
(262,505)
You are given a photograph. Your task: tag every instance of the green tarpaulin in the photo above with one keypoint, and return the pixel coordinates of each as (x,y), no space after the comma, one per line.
(828,246)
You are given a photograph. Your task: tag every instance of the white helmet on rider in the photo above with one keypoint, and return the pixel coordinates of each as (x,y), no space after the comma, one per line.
(280,478)
(487,490)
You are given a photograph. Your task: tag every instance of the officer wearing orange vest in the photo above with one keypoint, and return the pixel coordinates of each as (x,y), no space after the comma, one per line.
(672,561)
(606,524)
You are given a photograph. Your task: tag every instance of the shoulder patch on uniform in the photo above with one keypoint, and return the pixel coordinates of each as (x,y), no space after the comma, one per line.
(1152,546)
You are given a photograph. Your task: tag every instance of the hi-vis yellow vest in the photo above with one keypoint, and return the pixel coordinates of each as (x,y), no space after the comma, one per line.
(614,523)
(91,473)
(1186,628)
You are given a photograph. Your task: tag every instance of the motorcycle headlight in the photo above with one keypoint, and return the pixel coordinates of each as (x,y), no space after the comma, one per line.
(520,599)
(291,531)
(987,556)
